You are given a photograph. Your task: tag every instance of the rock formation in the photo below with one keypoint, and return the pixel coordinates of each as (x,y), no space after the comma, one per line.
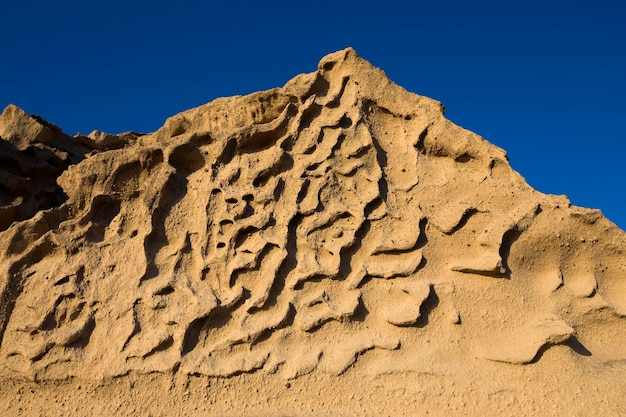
(338,227)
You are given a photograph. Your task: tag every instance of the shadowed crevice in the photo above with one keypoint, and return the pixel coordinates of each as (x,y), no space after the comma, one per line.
(429,304)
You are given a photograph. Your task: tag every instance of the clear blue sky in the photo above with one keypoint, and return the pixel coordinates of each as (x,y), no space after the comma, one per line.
(545,80)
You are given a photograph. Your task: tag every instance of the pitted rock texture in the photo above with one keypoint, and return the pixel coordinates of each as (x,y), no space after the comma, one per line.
(33,153)
(338,224)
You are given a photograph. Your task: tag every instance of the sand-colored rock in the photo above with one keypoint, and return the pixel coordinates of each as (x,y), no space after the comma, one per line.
(332,247)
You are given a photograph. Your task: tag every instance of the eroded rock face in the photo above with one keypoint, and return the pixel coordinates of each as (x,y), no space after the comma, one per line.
(33,154)
(336,220)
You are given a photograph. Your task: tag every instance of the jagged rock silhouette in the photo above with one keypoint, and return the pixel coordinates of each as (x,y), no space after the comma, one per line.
(293,231)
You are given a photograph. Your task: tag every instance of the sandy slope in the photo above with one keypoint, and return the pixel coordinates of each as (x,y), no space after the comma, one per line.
(332,247)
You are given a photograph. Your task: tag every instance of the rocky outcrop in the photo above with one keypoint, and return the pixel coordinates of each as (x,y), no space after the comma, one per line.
(292,231)
(33,153)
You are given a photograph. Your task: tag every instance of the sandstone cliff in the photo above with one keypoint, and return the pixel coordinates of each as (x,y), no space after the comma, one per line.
(338,227)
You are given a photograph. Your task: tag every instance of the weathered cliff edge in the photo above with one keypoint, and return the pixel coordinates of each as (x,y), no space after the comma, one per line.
(338,227)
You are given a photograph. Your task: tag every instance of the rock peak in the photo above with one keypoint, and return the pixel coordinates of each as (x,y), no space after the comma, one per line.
(337,227)
(22,129)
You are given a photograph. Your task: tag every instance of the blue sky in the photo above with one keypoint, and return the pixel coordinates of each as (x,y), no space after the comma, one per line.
(545,80)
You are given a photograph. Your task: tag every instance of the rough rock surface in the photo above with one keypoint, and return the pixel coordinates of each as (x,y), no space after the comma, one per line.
(332,247)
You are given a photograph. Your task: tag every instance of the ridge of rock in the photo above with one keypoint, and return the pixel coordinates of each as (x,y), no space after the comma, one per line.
(297,230)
